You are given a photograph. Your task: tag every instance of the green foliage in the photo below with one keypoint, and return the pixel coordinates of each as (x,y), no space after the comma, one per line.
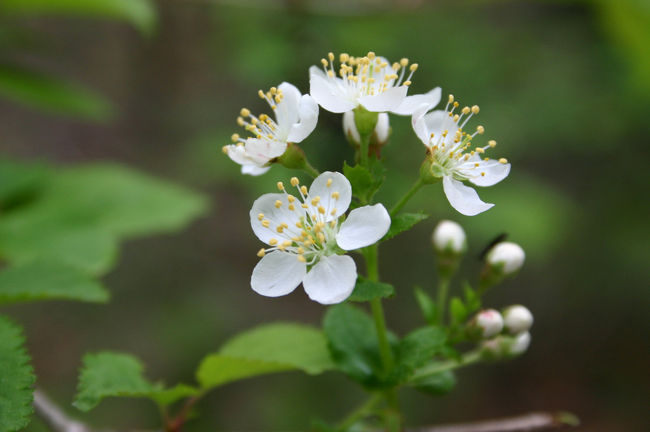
(418,347)
(427,305)
(353,342)
(472,299)
(165,397)
(403,222)
(140,13)
(458,311)
(18,182)
(436,384)
(365,182)
(266,349)
(52,95)
(16,378)
(48,280)
(366,290)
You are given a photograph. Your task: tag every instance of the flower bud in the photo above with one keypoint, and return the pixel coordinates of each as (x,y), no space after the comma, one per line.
(517,319)
(449,237)
(379,135)
(506,257)
(486,324)
(350,128)
(505,346)
(519,344)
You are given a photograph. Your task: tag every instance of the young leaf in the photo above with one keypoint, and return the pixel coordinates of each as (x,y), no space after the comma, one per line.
(418,347)
(16,378)
(403,222)
(458,311)
(107,374)
(472,299)
(426,304)
(266,349)
(19,182)
(365,183)
(436,384)
(165,397)
(366,290)
(48,280)
(353,343)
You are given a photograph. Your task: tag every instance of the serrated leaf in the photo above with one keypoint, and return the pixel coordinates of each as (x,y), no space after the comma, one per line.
(140,13)
(353,342)
(436,384)
(458,311)
(366,290)
(107,374)
(365,183)
(427,305)
(16,378)
(266,349)
(48,280)
(418,347)
(403,222)
(53,95)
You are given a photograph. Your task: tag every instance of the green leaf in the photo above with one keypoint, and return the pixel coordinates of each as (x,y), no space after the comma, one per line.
(165,397)
(52,95)
(16,378)
(266,349)
(140,13)
(48,280)
(366,290)
(458,311)
(365,183)
(18,183)
(418,347)
(436,384)
(403,222)
(111,374)
(472,299)
(353,343)
(426,304)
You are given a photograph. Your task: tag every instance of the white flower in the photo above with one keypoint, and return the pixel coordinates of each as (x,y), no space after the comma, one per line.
(448,236)
(490,323)
(368,81)
(452,157)
(508,257)
(517,319)
(381,132)
(295,118)
(307,241)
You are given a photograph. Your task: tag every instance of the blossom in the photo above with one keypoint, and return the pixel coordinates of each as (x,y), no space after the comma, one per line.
(308,238)
(370,82)
(451,156)
(295,118)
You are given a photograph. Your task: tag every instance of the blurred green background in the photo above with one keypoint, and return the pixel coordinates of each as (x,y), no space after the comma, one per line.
(564,87)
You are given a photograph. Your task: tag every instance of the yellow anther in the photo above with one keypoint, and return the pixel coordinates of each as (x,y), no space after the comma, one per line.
(480,129)
(300,250)
(260,93)
(407,83)
(396,66)
(466,110)
(329,182)
(324,62)
(224,149)
(244,112)
(503,160)
(456,104)
(451,99)
(492,143)
(295,181)
(298,224)
(280,186)
(279,229)
(371,55)
(335,195)
(343,58)
(303,205)
(475,109)
(273,241)
(292,207)
(476,164)
(315,200)
(486,159)
(330,56)
(414,67)
(266,223)
(482,174)
(333,223)
(456,117)
(278,203)
(240,121)
(260,216)
(261,253)
(274,90)
(333,212)
(321,209)
(480,150)
(303,189)
(404,62)
(291,198)
(234,137)
(286,243)
(301,258)
(321,237)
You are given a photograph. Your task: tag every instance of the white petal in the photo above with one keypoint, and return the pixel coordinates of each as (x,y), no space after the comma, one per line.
(331,280)
(382,128)
(277,274)
(308,117)
(439,121)
(350,126)
(384,101)
(411,103)
(286,111)
(237,153)
(488,173)
(327,94)
(363,227)
(419,125)
(265,205)
(334,207)
(254,170)
(463,198)
(261,151)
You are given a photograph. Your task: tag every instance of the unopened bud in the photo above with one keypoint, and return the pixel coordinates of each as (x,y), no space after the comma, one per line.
(449,237)
(485,324)
(350,128)
(379,135)
(506,257)
(505,346)
(519,344)
(517,319)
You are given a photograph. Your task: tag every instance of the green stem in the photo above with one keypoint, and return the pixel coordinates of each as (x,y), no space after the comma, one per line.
(443,290)
(397,207)
(365,146)
(362,411)
(313,172)
(435,368)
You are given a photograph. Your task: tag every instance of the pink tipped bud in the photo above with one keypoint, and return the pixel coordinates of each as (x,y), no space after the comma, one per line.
(490,322)
(517,319)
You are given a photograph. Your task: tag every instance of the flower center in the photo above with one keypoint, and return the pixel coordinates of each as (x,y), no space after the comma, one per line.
(262,126)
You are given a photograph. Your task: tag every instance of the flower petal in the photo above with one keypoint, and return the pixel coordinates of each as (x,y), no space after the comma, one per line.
(286,111)
(335,198)
(363,227)
(350,126)
(411,103)
(384,101)
(308,117)
(419,124)
(463,198)
(274,217)
(327,93)
(277,274)
(237,153)
(261,151)
(487,173)
(254,170)
(331,280)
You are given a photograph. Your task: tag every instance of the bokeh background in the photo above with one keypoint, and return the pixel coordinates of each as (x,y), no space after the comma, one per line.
(564,87)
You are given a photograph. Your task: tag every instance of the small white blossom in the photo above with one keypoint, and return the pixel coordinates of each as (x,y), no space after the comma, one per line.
(296,116)
(517,319)
(449,236)
(369,81)
(453,156)
(307,240)
(508,257)
(490,322)
(381,132)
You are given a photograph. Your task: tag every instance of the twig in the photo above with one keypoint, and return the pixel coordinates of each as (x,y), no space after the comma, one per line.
(526,422)
(54,417)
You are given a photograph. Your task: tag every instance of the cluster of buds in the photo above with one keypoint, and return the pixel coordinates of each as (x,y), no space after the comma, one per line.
(512,338)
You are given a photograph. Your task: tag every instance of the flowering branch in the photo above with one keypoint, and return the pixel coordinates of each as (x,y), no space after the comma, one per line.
(525,422)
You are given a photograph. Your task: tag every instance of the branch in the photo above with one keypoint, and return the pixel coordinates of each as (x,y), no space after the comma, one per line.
(54,417)
(525,422)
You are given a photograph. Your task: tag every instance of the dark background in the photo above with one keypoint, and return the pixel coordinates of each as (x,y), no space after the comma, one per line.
(564,87)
